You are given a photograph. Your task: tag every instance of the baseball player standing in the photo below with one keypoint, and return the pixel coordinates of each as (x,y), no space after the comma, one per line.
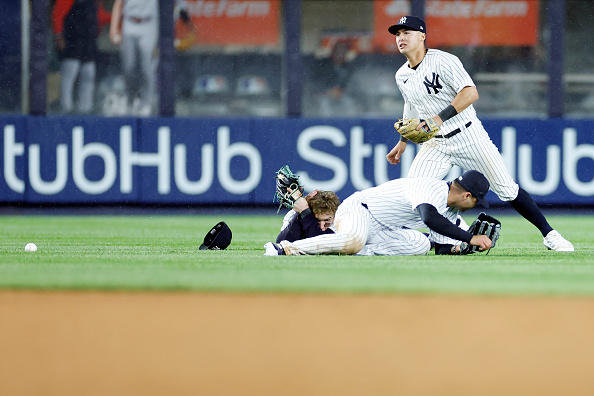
(434,84)
(383,220)
(138,40)
(76,25)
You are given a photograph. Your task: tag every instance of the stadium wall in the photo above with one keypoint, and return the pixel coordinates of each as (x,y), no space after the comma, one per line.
(96,160)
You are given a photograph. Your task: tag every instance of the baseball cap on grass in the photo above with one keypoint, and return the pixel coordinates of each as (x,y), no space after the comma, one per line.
(477,184)
(218,238)
(408,22)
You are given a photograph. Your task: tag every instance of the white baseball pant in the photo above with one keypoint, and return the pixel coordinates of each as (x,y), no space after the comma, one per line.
(471,149)
(359,232)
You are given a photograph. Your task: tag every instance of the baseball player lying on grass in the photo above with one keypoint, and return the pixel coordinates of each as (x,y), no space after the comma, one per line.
(384,220)
(438,96)
(310,216)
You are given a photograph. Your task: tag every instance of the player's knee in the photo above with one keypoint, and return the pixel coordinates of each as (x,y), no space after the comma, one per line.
(353,244)
(507,193)
(424,246)
(418,244)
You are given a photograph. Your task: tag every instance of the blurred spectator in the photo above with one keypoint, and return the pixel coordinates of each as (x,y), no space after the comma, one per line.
(331,76)
(135,28)
(76,25)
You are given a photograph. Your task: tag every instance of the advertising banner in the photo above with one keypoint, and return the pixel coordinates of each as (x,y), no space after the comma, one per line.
(234,160)
(463,22)
(228,22)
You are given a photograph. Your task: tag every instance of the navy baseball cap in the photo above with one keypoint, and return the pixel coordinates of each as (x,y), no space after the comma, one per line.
(218,238)
(477,184)
(408,22)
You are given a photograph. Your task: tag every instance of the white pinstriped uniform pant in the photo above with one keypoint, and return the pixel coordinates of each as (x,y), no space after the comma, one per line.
(359,232)
(471,149)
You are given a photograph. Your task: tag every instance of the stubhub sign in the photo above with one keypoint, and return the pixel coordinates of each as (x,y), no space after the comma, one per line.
(234,161)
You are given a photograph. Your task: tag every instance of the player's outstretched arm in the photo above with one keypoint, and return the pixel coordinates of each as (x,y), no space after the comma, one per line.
(394,155)
(482,241)
(438,223)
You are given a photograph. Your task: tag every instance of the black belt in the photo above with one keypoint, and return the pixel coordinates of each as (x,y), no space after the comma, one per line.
(455,131)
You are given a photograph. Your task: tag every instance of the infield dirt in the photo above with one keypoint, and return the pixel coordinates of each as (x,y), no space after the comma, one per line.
(115,343)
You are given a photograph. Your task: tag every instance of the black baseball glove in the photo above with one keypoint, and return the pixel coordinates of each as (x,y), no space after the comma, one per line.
(288,188)
(483,225)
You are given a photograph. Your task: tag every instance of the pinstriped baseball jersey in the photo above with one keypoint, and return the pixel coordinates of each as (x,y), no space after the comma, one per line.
(394,203)
(382,220)
(430,88)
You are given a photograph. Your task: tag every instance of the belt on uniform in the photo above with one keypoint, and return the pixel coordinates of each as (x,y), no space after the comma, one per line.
(139,20)
(454,132)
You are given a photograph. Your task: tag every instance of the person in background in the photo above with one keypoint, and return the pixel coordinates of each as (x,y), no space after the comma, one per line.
(332,76)
(76,25)
(135,28)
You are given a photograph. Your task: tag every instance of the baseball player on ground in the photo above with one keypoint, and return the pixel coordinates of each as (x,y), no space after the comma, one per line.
(434,84)
(311,216)
(383,220)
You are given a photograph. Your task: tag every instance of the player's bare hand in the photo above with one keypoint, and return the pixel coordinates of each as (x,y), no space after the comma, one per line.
(394,155)
(482,241)
(115,37)
(423,124)
(300,205)
(312,194)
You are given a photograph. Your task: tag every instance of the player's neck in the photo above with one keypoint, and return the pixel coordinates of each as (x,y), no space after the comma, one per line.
(416,57)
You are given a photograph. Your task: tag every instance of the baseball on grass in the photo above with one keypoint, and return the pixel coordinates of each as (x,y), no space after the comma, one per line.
(30,247)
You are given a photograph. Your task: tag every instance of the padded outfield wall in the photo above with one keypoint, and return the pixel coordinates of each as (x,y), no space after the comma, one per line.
(72,160)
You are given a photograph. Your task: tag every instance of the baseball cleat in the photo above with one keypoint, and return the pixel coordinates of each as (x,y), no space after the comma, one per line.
(273,249)
(554,241)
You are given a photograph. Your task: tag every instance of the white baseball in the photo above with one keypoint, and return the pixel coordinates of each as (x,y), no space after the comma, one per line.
(30,247)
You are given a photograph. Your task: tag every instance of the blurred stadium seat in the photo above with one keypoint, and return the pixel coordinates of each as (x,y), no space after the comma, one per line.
(253,96)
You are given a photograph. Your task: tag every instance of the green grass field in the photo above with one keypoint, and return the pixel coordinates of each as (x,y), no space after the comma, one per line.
(161,253)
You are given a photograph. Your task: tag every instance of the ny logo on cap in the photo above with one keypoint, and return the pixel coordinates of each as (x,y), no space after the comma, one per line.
(402,20)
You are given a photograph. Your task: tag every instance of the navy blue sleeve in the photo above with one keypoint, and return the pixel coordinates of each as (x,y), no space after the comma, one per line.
(310,225)
(441,225)
(292,232)
(304,225)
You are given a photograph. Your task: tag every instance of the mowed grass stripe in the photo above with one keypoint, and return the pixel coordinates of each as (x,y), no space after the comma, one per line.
(161,253)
